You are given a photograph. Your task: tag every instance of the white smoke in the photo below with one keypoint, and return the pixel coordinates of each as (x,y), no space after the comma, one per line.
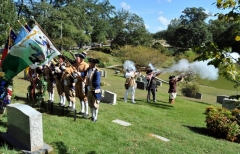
(201,68)
(129,65)
(233,55)
(151,66)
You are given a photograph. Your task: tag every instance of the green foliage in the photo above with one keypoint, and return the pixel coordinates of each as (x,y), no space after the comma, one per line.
(190,30)
(190,90)
(104,60)
(8,18)
(140,55)
(223,123)
(129,30)
(159,47)
(220,58)
(41,88)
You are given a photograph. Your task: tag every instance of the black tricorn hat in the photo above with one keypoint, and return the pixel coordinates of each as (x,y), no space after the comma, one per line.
(171,77)
(91,60)
(81,55)
(149,71)
(61,56)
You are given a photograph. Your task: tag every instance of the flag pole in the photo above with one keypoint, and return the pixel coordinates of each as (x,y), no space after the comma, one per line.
(22,26)
(32,18)
(53,44)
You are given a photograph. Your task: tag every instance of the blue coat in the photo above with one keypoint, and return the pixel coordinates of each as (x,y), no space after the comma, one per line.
(96,79)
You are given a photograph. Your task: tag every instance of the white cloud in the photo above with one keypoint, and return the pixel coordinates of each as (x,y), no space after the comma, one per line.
(169,1)
(125,6)
(147,27)
(163,20)
(160,12)
(160,29)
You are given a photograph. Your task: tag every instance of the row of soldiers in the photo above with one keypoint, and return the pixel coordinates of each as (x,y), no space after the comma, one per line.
(74,79)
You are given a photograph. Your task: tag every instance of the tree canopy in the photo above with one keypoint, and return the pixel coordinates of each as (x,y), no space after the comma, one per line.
(70,23)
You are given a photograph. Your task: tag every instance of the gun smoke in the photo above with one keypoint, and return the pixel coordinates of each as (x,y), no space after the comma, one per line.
(129,65)
(201,68)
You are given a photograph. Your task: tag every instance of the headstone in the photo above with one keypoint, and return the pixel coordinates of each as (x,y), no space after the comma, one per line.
(220,98)
(230,104)
(121,122)
(159,137)
(24,130)
(105,73)
(109,97)
(141,85)
(25,76)
(117,71)
(139,79)
(102,73)
(198,96)
(159,83)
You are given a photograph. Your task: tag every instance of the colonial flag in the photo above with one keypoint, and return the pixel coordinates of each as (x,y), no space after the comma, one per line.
(11,38)
(34,50)
(22,33)
(27,27)
(50,51)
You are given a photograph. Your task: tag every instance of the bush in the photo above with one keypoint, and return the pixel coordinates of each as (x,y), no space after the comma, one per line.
(223,123)
(104,60)
(190,90)
(140,55)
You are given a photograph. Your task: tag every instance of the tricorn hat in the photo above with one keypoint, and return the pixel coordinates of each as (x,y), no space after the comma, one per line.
(91,60)
(171,77)
(81,55)
(149,71)
(61,56)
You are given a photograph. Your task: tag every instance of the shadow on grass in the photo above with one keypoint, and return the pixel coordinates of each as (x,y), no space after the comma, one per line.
(203,131)
(158,104)
(62,148)
(20,98)
(199,130)
(200,102)
(92,152)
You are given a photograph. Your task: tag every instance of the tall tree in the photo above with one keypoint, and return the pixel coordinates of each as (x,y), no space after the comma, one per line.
(193,30)
(8,18)
(130,30)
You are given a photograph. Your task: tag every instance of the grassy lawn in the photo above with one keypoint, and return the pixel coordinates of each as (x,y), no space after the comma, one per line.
(183,124)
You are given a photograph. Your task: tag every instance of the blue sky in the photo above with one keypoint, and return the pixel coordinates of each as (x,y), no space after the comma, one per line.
(157,14)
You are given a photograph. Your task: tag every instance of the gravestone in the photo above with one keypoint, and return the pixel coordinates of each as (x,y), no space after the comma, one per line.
(109,97)
(141,85)
(105,73)
(102,73)
(139,79)
(198,96)
(230,104)
(25,76)
(24,129)
(220,98)
(159,83)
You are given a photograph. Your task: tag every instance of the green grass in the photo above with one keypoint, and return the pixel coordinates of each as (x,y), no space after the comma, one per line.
(182,123)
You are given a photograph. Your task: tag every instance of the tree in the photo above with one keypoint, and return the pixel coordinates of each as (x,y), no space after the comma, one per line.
(192,30)
(130,30)
(8,19)
(221,57)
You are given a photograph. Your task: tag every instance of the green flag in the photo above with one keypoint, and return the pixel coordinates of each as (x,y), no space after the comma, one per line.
(34,50)
(22,55)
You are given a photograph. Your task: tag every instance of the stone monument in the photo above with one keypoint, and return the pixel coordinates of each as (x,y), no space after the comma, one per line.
(24,129)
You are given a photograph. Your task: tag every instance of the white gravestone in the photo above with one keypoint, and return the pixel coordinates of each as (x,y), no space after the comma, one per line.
(24,129)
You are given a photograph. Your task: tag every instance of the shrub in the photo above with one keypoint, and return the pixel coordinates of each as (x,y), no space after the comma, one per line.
(190,90)
(140,55)
(104,60)
(223,123)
